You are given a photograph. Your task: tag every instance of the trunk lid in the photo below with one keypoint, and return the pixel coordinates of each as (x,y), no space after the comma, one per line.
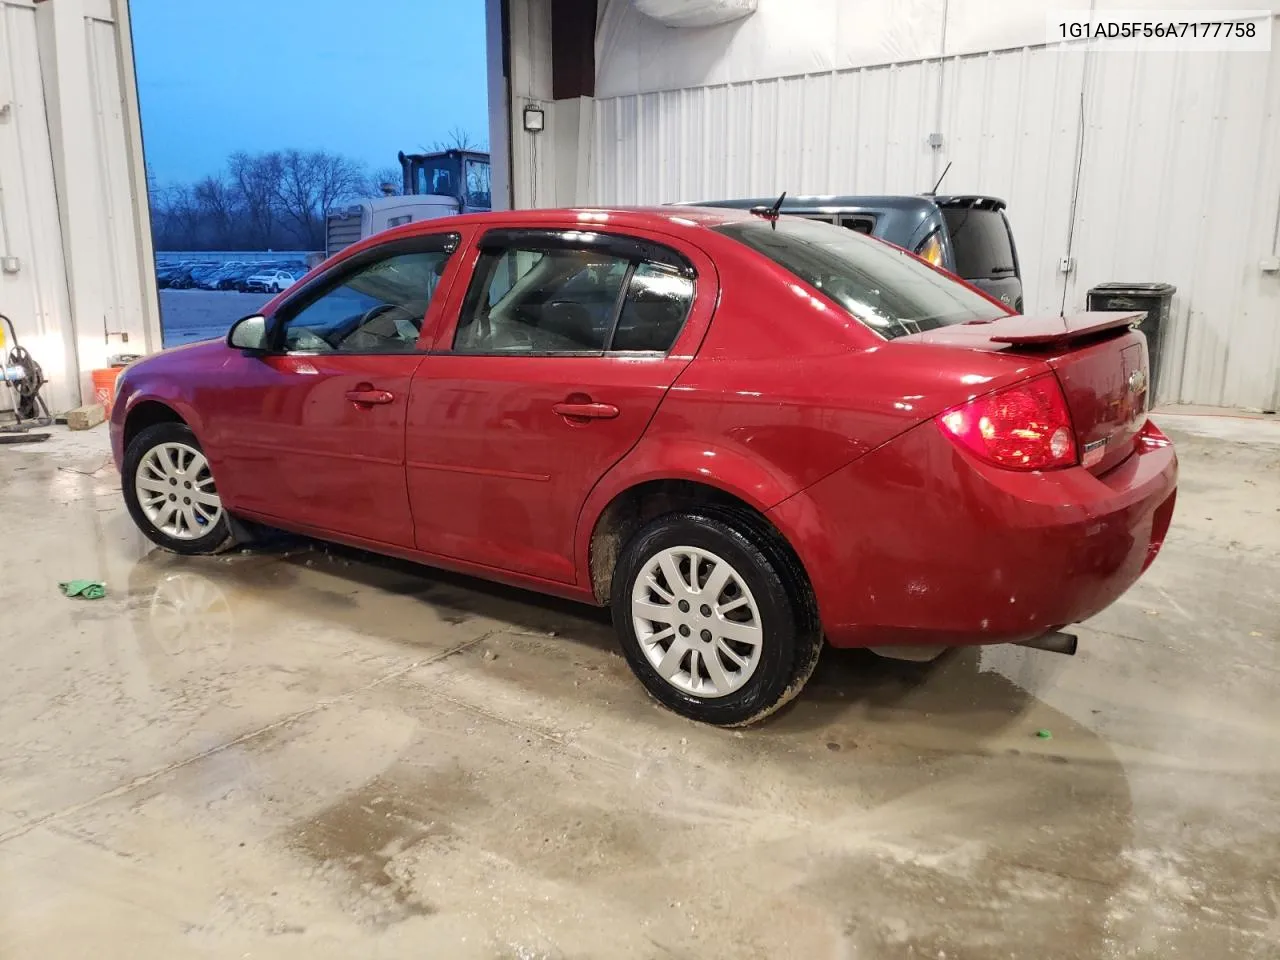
(1100,361)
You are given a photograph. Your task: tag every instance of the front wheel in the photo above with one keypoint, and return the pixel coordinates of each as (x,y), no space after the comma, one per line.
(170,492)
(714,617)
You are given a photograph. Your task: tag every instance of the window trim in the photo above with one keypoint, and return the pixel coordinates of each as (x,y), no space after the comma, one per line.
(619,245)
(634,250)
(325,283)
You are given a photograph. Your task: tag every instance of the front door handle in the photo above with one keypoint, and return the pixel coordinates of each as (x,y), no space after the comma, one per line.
(365,396)
(585,410)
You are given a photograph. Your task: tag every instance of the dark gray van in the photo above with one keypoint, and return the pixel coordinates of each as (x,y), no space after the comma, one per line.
(967,235)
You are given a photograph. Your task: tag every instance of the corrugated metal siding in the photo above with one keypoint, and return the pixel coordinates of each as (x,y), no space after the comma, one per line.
(35,297)
(1180,175)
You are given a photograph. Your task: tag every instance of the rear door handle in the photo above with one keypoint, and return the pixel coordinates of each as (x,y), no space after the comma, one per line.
(585,411)
(367,396)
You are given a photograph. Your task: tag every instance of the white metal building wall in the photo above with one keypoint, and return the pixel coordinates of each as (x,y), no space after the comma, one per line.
(1180,174)
(120,254)
(35,296)
(72,190)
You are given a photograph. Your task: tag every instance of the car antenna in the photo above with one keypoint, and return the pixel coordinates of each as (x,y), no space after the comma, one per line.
(770,213)
(934,191)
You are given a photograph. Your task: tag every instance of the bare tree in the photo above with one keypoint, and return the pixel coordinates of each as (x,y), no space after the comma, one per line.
(257,178)
(310,185)
(263,201)
(384,177)
(218,202)
(459,139)
(339,180)
(184,213)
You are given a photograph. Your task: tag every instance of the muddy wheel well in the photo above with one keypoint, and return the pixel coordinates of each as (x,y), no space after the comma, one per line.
(633,508)
(147,414)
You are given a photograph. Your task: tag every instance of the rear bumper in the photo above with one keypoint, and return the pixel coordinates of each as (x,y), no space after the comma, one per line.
(919,543)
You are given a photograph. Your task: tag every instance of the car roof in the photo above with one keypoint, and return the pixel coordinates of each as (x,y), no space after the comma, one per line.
(853,203)
(667,217)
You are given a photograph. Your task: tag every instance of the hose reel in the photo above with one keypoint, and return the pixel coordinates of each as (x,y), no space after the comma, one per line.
(24,379)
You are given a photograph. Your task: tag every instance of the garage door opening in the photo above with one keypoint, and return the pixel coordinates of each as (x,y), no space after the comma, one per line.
(277,133)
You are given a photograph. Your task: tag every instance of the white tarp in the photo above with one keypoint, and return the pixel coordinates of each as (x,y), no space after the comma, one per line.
(695,13)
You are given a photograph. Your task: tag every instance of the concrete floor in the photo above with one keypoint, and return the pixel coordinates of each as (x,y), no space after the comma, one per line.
(314,754)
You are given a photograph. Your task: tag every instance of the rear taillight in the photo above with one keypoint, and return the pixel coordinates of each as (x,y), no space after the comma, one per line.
(1023,427)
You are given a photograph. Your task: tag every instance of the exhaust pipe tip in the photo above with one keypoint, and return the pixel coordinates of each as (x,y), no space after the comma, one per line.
(1055,641)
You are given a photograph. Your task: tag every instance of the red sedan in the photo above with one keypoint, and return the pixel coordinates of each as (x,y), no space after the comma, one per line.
(742,433)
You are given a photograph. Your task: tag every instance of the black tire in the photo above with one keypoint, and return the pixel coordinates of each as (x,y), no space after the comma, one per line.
(792,636)
(219,536)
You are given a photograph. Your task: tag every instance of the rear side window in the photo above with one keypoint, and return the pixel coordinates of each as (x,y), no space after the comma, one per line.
(981,242)
(653,312)
(541,302)
(556,294)
(882,286)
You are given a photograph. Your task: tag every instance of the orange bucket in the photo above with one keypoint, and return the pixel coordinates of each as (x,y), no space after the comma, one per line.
(104,386)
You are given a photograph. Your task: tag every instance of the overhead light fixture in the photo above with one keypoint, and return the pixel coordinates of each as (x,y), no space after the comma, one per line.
(534,119)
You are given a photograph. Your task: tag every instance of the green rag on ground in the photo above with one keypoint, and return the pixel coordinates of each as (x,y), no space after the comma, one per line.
(86,589)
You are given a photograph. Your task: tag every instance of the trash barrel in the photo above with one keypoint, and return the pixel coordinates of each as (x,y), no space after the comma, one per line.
(1153,298)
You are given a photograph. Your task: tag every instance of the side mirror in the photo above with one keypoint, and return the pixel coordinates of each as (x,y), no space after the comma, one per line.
(249,334)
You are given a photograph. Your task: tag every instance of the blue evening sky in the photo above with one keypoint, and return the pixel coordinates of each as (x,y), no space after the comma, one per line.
(364,79)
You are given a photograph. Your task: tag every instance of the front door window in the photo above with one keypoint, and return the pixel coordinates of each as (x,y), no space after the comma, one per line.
(378,308)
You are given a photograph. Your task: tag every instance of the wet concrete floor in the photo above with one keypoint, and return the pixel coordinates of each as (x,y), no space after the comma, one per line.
(317,754)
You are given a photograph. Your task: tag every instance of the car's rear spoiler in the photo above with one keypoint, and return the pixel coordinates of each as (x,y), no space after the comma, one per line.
(1032,331)
(974,201)
(1026,332)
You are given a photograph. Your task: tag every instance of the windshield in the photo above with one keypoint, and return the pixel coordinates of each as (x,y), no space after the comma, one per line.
(884,287)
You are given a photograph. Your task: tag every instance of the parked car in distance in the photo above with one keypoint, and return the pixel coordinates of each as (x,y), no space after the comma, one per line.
(222,277)
(241,279)
(742,434)
(270,281)
(967,235)
(165,274)
(188,275)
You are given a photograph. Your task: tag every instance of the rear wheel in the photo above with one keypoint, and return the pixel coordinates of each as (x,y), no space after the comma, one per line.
(170,491)
(714,618)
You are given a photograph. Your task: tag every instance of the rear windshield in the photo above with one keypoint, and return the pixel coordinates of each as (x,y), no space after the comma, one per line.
(981,242)
(885,287)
